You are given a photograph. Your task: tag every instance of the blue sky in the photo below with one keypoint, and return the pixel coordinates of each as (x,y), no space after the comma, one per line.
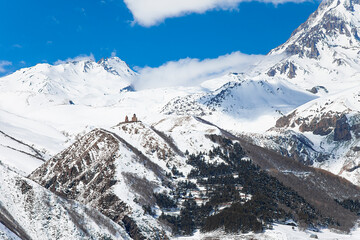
(46,31)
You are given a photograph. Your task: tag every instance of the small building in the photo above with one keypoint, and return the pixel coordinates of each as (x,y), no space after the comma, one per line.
(134,118)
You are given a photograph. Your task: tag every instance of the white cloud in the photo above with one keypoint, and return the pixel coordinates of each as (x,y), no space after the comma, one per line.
(151,12)
(55,20)
(17,46)
(75,59)
(190,72)
(3,65)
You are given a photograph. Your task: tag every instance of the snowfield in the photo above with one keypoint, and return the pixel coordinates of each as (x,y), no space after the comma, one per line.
(280,232)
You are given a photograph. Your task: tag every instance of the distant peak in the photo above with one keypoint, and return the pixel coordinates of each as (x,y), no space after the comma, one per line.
(334,23)
(116,66)
(101,61)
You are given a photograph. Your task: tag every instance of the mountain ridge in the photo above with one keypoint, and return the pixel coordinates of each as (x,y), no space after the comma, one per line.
(191,160)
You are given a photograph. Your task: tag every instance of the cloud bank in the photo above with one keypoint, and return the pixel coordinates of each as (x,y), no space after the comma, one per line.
(3,65)
(191,72)
(151,12)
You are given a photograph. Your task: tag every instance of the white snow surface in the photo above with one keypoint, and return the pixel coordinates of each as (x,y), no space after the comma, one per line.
(242,104)
(6,234)
(280,232)
(80,82)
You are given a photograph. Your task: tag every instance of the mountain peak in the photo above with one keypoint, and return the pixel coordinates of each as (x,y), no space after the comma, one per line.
(334,23)
(82,81)
(323,51)
(116,66)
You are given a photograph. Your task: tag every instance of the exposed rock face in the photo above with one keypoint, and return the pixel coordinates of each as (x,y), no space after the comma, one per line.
(292,71)
(332,125)
(285,120)
(317,89)
(322,125)
(132,228)
(319,126)
(271,72)
(297,147)
(287,68)
(342,130)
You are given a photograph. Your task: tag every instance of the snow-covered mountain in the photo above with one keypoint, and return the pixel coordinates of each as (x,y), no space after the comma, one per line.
(82,82)
(324,133)
(190,156)
(322,57)
(117,171)
(41,106)
(119,175)
(257,103)
(323,53)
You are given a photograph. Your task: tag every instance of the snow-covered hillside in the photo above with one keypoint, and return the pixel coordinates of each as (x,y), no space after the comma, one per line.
(105,172)
(244,105)
(29,211)
(324,133)
(322,57)
(15,153)
(117,171)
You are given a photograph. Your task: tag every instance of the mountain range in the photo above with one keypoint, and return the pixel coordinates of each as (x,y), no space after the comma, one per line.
(275,149)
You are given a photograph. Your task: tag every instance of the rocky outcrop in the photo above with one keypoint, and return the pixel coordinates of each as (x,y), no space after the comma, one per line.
(285,120)
(317,89)
(321,125)
(287,68)
(132,228)
(342,130)
(292,71)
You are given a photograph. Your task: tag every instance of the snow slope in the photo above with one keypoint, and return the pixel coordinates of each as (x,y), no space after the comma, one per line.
(32,212)
(241,105)
(80,82)
(6,234)
(330,125)
(280,232)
